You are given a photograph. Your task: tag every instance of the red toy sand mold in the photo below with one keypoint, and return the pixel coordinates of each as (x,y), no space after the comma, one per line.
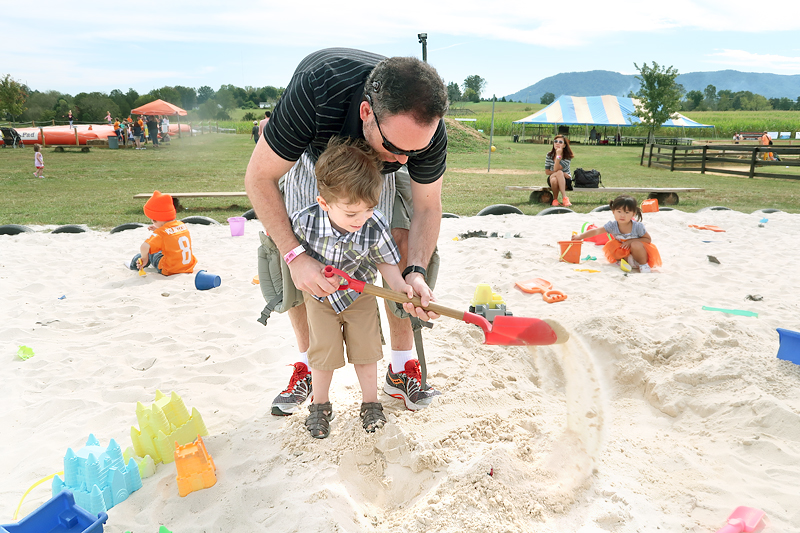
(708,227)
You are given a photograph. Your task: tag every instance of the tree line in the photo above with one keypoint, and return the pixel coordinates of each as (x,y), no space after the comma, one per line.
(20,103)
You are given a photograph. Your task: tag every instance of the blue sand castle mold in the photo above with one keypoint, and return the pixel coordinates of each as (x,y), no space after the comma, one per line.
(58,515)
(167,421)
(97,476)
(789,348)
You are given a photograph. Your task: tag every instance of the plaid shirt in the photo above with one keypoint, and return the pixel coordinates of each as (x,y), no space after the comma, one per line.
(357,253)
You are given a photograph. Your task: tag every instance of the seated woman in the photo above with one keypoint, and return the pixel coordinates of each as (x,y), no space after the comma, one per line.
(556,166)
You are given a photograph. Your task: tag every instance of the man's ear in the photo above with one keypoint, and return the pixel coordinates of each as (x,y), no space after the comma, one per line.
(364,110)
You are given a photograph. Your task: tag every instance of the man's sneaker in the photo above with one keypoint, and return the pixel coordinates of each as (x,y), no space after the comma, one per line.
(295,394)
(405,385)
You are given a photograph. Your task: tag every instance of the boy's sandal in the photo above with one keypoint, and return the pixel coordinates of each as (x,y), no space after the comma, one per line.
(318,422)
(372,416)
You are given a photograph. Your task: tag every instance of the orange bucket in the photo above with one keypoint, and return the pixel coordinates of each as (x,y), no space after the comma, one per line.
(570,251)
(650,206)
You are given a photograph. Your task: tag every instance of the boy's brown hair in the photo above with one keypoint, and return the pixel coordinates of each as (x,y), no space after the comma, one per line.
(349,172)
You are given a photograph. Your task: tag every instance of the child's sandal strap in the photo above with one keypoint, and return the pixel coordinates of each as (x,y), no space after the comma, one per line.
(318,422)
(372,416)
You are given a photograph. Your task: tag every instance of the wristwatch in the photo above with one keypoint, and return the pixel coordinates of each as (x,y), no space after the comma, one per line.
(290,256)
(414,268)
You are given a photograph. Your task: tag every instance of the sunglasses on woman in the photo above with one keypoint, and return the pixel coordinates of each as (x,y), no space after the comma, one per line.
(558,141)
(388,146)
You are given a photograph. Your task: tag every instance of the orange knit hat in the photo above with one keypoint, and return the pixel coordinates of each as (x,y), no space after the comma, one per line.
(159,207)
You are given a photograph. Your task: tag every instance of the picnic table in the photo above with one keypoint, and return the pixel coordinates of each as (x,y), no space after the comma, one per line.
(665,195)
(180,195)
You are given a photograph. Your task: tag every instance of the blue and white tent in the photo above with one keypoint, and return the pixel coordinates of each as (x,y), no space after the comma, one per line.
(598,111)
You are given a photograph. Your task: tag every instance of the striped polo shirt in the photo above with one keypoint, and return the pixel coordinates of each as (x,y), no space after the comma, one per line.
(322,100)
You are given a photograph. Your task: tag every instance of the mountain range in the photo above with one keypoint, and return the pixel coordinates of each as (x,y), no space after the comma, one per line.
(600,82)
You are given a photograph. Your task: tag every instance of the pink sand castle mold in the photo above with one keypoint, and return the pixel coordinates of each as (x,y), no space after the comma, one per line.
(196,469)
(167,421)
(97,476)
(58,515)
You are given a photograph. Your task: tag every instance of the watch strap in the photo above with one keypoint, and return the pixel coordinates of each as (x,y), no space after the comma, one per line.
(414,268)
(292,254)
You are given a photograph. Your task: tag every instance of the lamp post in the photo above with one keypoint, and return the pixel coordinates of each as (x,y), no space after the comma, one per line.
(423,38)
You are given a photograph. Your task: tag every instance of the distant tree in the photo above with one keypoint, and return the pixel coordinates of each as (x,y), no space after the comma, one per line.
(453,92)
(188,97)
(225,98)
(503,99)
(92,107)
(122,102)
(204,93)
(208,109)
(168,94)
(693,100)
(470,95)
(41,106)
(12,97)
(797,104)
(659,94)
(132,96)
(783,104)
(476,83)
(725,100)
(710,97)
(547,98)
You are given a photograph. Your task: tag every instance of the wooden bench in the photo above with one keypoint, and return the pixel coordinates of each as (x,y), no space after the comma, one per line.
(179,195)
(665,195)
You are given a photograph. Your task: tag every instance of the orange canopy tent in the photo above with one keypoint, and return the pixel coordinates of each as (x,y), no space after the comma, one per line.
(159,107)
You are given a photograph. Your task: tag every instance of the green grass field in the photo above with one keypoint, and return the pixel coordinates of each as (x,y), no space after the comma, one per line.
(97,188)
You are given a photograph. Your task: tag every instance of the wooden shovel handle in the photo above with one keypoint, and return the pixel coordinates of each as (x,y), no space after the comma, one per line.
(401,298)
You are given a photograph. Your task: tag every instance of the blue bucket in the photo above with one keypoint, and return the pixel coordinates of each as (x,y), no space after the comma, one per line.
(789,349)
(204,281)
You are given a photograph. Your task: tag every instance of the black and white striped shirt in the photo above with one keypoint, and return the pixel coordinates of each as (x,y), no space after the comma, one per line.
(322,100)
(357,253)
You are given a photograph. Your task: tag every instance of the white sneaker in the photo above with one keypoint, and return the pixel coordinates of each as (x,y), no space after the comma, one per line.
(644,269)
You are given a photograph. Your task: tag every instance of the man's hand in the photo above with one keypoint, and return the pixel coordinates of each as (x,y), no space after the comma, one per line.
(417,282)
(307,274)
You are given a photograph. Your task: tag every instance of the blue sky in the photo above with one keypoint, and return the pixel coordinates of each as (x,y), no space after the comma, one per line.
(103,45)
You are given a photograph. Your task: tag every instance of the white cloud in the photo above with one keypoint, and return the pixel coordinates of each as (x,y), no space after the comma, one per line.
(762,62)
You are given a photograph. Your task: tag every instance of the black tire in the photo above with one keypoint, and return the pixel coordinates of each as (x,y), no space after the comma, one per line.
(767,211)
(250,215)
(601,208)
(14,229)
(554,211)
(450,215)
(128,225)
(499,209)
(665,198)
(713,208)
(70,228)
(541,197)
(666,209)
(205,221)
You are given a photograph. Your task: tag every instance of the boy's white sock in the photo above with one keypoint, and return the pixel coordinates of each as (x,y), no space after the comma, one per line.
(644,268)
(303,357)
(399,359)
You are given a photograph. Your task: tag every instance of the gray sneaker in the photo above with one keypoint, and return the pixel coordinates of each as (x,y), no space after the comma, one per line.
(405,385)
(295,394)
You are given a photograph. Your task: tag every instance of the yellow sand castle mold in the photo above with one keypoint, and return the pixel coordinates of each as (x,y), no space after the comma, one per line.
(161,425)
(196,468)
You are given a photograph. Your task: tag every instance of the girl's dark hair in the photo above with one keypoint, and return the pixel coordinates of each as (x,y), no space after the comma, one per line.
(626,203)
(567,154)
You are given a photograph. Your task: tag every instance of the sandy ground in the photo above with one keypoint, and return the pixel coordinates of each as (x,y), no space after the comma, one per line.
(657,415)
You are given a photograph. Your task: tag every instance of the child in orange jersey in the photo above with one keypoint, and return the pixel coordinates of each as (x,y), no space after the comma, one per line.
(169,248)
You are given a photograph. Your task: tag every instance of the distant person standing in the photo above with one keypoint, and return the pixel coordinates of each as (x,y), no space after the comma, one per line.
(593,136)
(256,132)
(38,161)
(137,134)
(108,117)
(165,129)
(263,122)
(152,128)
(766,140)
(69,117)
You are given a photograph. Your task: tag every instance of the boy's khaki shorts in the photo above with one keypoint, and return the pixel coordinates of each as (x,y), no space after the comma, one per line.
(358,326)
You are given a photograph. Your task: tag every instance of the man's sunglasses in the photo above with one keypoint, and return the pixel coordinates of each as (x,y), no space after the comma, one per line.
(389,147)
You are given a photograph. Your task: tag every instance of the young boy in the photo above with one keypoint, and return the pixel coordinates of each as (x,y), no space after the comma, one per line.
(169,248)
(344,230)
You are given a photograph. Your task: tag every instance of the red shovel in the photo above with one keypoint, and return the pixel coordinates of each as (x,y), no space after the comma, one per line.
(744,519)
(504,331)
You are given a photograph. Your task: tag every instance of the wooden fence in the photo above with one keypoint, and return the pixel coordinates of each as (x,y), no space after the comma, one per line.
(736,159)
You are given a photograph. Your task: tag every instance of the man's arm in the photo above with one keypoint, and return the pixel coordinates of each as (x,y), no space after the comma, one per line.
(424,232)
(261,183)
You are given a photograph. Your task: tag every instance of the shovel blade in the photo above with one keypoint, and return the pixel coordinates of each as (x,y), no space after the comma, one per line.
(748,518)
(520,331)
